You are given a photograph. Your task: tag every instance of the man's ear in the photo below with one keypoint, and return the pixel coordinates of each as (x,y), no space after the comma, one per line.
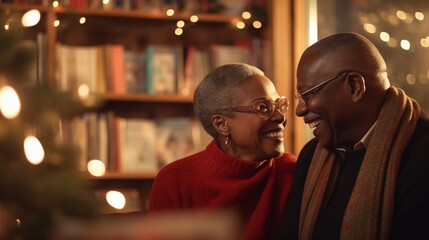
(357,86)
(220,123)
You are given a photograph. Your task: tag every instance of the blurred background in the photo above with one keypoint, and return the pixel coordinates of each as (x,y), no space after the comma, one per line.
(77,91)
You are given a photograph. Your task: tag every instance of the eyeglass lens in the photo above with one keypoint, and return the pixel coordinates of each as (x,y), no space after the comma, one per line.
(266,107)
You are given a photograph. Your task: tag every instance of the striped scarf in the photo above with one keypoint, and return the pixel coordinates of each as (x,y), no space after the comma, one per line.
(370,208)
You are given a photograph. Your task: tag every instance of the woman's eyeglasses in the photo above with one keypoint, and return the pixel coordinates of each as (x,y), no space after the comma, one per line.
(263,107)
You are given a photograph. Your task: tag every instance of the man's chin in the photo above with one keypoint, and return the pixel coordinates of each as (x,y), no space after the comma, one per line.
(325,143)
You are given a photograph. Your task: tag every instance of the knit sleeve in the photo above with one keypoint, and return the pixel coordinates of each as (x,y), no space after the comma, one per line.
(164,195)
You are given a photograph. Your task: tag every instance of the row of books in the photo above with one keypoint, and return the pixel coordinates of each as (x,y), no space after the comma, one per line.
(157,69)
(130,144)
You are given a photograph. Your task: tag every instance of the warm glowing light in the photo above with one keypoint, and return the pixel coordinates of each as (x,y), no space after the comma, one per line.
(369,27)
(56,23)
(401,15)
(194,18)
(10,105)
(246,15)
(83,91)
(419,16)
(423,79)
(424,42)
(384,36)
(405,44)
(82,20)
(33,150)
(6,26)
(180,23)
(105,2)
(257,24)
(393,20)
(115,199)
(30,18)
(240,25)
(178,31)
(392,42)
(411,79)
(170,12)
(55,3)
(96,167)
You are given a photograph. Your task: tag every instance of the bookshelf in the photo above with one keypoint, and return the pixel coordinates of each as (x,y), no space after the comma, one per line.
(94,28)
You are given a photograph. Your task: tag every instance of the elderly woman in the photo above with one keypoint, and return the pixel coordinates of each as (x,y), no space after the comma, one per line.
(245,167)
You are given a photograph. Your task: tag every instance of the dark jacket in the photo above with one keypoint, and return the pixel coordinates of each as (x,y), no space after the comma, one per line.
(411,209)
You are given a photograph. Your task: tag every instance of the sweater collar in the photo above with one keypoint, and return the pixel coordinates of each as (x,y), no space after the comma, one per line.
(218,155)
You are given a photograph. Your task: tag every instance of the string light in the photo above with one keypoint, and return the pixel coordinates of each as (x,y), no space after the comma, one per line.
(30,18)
(419,16)
(194,18)
(405,44)
(424,42)
(96,167)
(170,12)
(392,42)
(10,105)
(257,24)
(82,20)
(401,14)
(369,27)
(116,199)
(55,4)
(384,36)
(7,24)
(180,24)
(246,15)
(178,31)
(240,25)
(411,79)
(83,91)
(33,150)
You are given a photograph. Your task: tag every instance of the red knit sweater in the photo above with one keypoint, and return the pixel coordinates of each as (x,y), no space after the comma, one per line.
(212,179)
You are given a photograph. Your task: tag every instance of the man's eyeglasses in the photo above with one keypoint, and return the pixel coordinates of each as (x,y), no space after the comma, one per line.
(263,107)
(305,96)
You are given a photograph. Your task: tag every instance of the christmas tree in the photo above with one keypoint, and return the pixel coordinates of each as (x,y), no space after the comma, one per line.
(39,183)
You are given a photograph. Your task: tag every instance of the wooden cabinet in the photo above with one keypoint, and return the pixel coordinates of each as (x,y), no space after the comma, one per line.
(135,30)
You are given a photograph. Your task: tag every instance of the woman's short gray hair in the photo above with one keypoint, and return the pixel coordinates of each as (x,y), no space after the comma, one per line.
(216,91)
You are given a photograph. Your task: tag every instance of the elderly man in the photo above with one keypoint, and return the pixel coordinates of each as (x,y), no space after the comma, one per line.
(365,175)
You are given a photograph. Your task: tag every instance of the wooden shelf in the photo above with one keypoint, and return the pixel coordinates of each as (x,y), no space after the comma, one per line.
(23,7)
(138,97)
(214,18)
(125,176)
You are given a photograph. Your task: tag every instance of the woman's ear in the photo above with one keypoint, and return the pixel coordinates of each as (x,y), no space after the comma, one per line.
(357,86)
(220,123)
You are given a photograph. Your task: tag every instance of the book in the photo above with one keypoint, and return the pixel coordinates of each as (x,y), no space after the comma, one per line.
(224,54)
(116,65)
(163,66)
(137,145)
(196,67)
(134,71)
(77,66)
(176,138)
